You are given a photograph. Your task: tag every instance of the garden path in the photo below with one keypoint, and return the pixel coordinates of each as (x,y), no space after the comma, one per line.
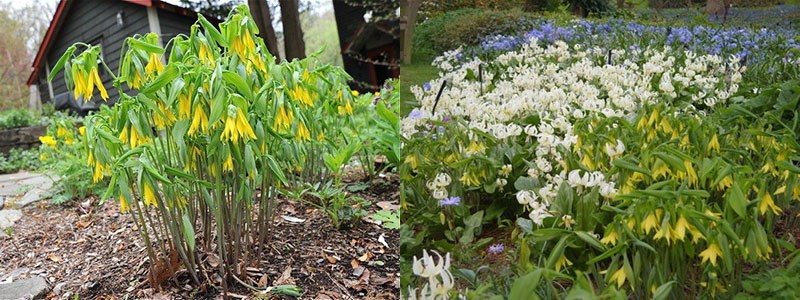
(16,191)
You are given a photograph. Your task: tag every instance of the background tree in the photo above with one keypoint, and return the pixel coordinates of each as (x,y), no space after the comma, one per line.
(215,8)
(293,41)
(408,20)
(263,18)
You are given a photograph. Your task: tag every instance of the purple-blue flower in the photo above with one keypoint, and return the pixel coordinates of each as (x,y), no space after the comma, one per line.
(415,114)
(496,249)
(426,86)
(450,201)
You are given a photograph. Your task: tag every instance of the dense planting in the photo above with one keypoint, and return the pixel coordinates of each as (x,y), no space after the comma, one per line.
(601,159)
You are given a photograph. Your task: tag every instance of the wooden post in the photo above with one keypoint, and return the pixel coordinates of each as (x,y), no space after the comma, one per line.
(408,19)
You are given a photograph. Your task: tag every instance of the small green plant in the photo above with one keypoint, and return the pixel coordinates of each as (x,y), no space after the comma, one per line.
(332,199)
(19,159)
(390,219)
(16,118)
(782,283)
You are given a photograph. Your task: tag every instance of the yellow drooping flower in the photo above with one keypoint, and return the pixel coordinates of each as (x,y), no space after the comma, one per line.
(99,84)
(713,144)
(412,161)
(99,171)
(610,238)
(767,203)
(302,132)
(124,207)
(185,105)
(321,136)
(154,66)
(236,126)
(205,55)
(650,223)
(680,229)
(618,276)
(711,254)
(228,165)
(82,130)
(61,131)
(301,94)
(149,195)
(562,262)
(199,122)
(693,179)
(283,119)
(132,137)
(475,148)
(347,109)
(354,93)
(470,178)
(164,117)
(666,232)
(48,140)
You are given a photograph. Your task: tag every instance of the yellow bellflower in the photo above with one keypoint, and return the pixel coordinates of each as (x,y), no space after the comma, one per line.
(48,140)
(154,66)
(149,195)
(767,203)
(199,122)
(124,207)
(302,132)
(711,254)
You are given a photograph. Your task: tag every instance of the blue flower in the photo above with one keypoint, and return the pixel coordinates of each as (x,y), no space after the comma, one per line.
(496,249)
(426,86)
(450,201)
(415,114)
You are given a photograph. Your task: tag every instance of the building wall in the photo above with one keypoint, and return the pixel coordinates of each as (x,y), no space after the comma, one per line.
(95,21)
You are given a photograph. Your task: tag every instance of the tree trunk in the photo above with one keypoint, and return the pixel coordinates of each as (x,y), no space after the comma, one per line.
(408,20)
(293,41)
(263,18)
(534,5)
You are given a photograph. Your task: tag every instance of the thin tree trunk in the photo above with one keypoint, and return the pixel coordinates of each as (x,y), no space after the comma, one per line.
(263,18)
(408,21)
(293,41)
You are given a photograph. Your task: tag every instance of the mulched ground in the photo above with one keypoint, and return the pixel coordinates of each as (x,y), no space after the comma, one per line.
(95,252)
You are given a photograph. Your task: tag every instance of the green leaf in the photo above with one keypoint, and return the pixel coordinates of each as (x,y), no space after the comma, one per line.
(61,61)
(736,199)
(188,231)
(212,31)
(524,288)
(237,81)
(162,80)
(591,240)
(141,45)
(630,166)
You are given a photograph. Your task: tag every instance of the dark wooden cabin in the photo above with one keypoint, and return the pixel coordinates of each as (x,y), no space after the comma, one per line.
(100,22)
(370,50)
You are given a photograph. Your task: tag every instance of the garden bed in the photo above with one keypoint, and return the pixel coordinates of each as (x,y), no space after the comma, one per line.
(94,251)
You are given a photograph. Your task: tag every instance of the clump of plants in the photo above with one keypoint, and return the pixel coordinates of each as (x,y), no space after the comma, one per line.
(199,153)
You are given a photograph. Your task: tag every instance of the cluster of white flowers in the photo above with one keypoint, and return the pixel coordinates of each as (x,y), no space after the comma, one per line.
(434,289)
(438,186)
(563,84)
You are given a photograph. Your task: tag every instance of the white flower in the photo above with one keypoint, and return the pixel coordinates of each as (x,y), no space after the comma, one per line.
(526,197)
(426,267)
(608,189)
(615,151)
(538,216)
(501,182)
(439,194)
(442,180)
(505,170)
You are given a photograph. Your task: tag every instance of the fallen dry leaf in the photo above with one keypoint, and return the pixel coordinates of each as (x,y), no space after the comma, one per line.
(263,281)
(54,258)
(330,259)
(387,205)
(286,277)
(382,240)
(354,263)
(364,279)
(366,257)
(293,219)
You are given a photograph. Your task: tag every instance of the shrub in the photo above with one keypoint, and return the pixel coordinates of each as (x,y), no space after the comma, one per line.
(16,118)
(209,139)
(19,159)
(466,26)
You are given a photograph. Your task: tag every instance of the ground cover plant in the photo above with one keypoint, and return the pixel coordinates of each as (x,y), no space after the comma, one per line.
(654,162)
(211,141)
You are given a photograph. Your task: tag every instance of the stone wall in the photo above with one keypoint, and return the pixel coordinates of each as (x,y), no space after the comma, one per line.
(25,137)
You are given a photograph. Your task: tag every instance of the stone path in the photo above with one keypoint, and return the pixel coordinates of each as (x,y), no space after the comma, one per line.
(17,191)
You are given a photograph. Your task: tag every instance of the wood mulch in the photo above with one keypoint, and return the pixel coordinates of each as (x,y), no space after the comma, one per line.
(95,252)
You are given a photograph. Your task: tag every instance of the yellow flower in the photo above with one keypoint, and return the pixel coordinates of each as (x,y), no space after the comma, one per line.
(470,179)
(302,132)
(228,165)
(321,136)
(680,229)
(610,238)
(693,179)
(301,94)
(99,171)
(206,55)
(48,140)
(768,203)
(99,84)
(154,66)
(713,144)
(475,148)
(123,204)
(61,131)
(618,276)
(134,138)
(664,233)
(185,105)
(236,125)
(650,223)
(347,109)
(563,261)
(712,253)
(149,195)
(283,118)
(82,130)
(42,157)
(354,93)
(412,161)
(199,121)
(164,118)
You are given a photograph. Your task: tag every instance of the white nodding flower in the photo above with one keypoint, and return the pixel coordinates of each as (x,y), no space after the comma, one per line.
(431,185)
(439,194)
(442,180)
(608,189)
(538,215)
(501,182)
(426,267)
(615,151)
(526,197)
(505,170)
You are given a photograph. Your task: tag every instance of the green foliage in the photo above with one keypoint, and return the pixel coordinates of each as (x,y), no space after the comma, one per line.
(782,283)
(18,159)
(67,159)
(466,26)
(390,219)
(16,118)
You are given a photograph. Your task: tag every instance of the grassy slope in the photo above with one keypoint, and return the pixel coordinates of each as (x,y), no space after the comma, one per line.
(417,72)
